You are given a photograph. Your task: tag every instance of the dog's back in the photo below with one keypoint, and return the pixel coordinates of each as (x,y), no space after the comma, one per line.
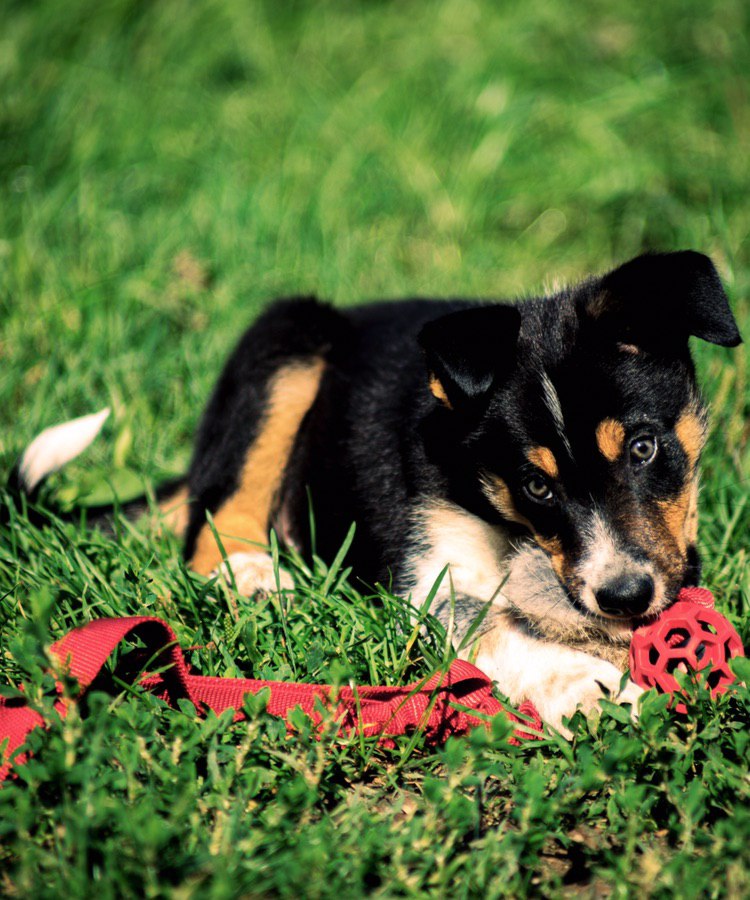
(316,412)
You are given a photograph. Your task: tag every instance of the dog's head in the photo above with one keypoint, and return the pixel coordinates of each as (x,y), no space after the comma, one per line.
(578,420)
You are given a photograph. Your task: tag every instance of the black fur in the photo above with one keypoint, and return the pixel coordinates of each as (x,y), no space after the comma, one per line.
(666,297)
(295,327)
(376,443)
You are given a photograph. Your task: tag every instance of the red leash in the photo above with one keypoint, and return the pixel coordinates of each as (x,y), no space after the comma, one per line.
(448,703)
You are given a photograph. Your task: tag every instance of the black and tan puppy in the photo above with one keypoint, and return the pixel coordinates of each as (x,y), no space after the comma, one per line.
(547,451)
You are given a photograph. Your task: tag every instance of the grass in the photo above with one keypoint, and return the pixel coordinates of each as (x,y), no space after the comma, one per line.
(165,169)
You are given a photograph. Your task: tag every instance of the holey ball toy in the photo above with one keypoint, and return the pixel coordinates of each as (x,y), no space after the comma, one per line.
(690,636)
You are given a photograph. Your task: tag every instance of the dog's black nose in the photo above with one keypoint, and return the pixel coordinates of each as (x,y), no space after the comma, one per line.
(626,595)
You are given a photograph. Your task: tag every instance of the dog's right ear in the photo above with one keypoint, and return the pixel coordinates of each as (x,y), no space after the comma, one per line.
(469,352)
(663,298)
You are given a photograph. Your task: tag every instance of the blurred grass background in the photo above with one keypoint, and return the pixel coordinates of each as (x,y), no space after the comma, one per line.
(166,168)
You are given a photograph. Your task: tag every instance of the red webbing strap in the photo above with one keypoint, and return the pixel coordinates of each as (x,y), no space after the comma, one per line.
(432,705)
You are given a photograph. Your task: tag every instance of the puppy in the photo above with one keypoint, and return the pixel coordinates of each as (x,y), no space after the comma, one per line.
(546,452)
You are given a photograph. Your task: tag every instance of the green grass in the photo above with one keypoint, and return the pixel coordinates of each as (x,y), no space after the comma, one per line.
(165,169)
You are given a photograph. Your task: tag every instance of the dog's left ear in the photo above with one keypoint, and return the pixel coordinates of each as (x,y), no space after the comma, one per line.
(659,295)
(468,353)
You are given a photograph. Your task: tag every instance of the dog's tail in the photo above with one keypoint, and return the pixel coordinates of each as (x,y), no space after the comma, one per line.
(52,449)
(60,444)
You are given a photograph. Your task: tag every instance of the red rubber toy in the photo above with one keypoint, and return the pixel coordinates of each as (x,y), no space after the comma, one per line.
(689,636)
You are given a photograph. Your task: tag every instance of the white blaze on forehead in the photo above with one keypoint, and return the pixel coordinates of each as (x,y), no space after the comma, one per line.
(552,402)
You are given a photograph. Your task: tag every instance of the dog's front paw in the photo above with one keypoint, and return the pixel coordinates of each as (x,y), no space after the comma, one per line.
(253,572)
(582,686)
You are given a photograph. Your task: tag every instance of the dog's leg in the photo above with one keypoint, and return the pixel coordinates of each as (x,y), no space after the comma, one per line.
(486,576)
(244,518)
(253,571)
(247,438)
(557,679)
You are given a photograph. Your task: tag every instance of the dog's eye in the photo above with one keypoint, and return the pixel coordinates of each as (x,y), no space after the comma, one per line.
(538,489)
(643,449)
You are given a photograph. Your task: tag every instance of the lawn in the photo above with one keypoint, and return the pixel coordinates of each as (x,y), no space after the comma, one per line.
(165,169)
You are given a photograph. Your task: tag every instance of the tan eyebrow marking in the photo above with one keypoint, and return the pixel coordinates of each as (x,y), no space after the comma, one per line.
(610,436)
(691,433)
(438,391)
(543,458)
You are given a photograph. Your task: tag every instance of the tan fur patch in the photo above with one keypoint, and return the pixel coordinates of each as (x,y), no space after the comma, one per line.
(691,433)
(629,348)
(438,391)
(674,513)
(175,512)
(543,458)
(553,548)
(499,495)
(659,530)
(681,516)
(691,520)
(244,519)
(610,437)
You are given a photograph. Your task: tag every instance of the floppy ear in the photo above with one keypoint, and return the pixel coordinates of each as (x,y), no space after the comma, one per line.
(659,295)
(468,353)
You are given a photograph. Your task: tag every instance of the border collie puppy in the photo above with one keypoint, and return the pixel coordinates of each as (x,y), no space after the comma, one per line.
(545,451)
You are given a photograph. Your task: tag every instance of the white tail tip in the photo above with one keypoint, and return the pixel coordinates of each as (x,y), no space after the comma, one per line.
(57,445)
